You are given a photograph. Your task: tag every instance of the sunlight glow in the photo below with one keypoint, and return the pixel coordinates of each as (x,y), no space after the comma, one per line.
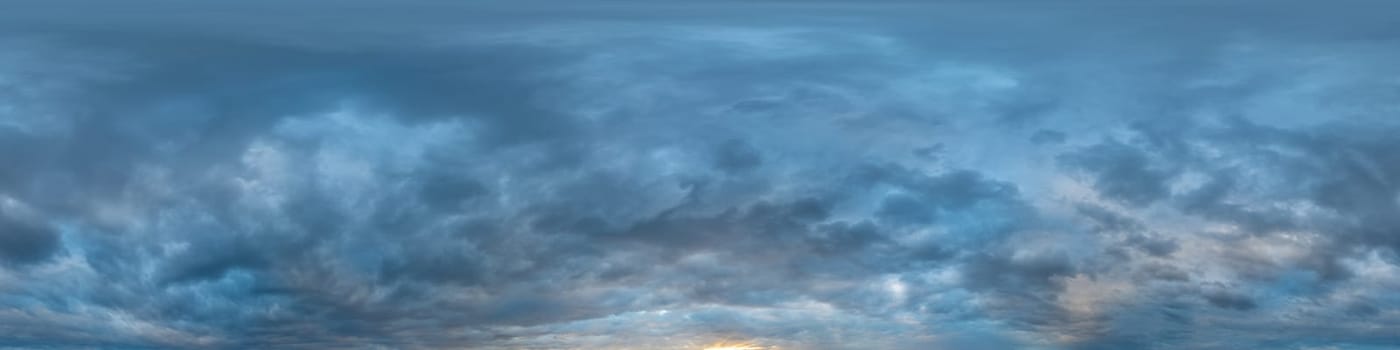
(734,346)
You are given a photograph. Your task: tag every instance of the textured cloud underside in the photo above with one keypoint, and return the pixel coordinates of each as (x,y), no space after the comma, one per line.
(798,175)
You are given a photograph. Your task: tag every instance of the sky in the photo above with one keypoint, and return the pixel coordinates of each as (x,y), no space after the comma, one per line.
(797,175)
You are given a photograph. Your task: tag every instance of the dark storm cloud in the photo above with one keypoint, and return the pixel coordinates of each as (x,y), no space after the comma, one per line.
(23,241)
(1230,301)
(662,176)
(1122,172)
(736,156)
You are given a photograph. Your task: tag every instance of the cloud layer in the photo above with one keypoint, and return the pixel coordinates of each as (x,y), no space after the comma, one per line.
(798,175)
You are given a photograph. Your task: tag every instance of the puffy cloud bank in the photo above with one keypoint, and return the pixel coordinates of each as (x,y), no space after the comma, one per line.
(628,175)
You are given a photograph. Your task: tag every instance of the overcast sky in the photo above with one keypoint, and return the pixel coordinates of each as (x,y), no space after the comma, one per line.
(797,175)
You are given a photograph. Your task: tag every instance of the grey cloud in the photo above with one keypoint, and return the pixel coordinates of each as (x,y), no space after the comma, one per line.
(1017,275)
(1048,137)
(664,176)
(447,192)
(1122,172)
(1231,301)
(735,156)
(23,241)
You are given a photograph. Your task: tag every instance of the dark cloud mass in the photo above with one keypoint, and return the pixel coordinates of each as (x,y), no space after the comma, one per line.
(669,175)
(24,242)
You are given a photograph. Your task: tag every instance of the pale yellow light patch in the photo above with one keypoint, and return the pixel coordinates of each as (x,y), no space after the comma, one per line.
(1089,297)
(896,288)
(734,346)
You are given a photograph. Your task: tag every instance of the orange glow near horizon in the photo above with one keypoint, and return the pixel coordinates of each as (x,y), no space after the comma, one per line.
(734,346)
